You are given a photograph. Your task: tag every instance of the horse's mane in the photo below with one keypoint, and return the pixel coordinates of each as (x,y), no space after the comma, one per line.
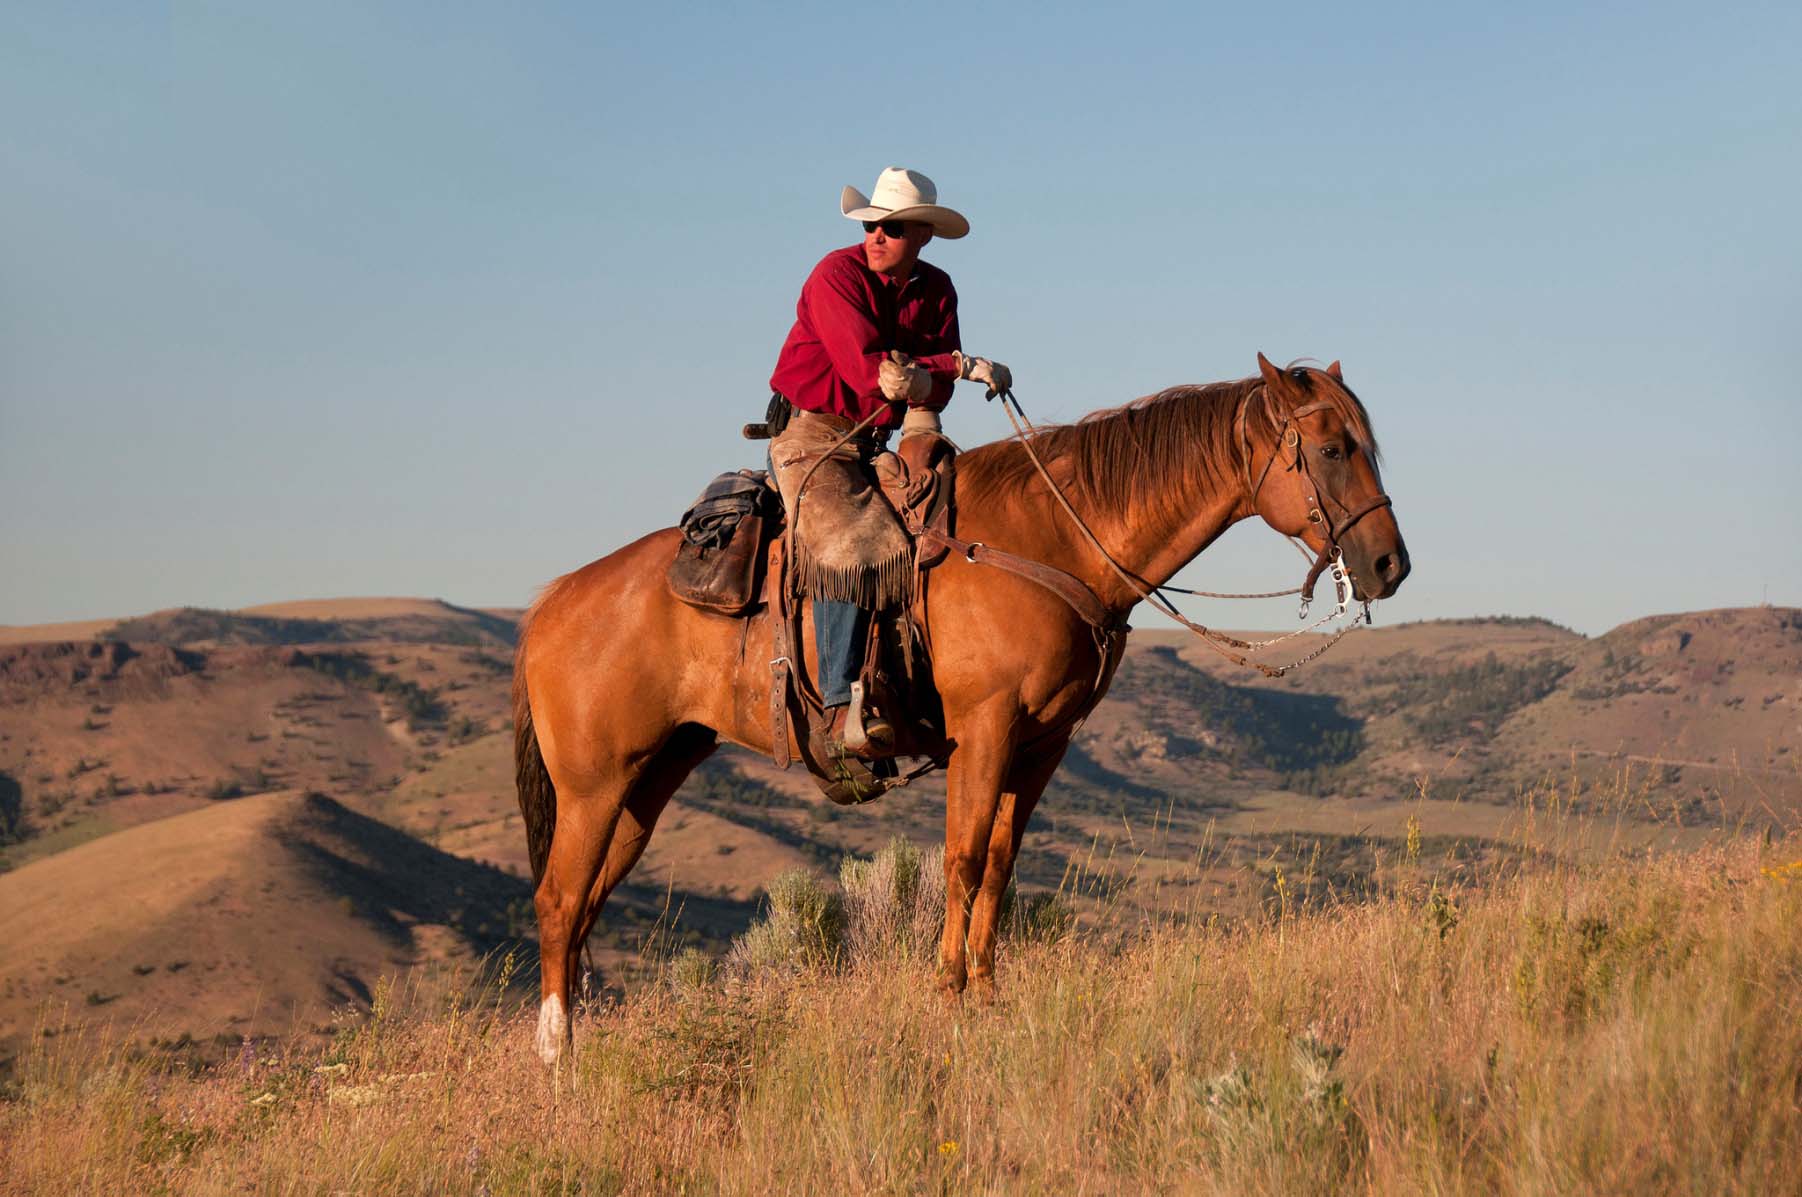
(1155,450)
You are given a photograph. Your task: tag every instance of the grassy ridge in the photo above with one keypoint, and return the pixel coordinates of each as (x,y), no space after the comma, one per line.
(1633,1026)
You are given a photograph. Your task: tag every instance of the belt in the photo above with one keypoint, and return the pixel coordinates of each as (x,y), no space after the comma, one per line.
(872,440)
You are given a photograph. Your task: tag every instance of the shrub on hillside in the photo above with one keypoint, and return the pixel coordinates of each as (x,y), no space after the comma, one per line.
(692,970)
(422,707)
(893,906)
(889,908)
(805,925)
(1466,702)
(14,826)
(1038,918)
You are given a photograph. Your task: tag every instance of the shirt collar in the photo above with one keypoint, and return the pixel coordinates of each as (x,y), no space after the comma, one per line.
(882,279)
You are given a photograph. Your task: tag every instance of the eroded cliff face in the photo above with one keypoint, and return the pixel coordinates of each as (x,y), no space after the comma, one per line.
(34,672)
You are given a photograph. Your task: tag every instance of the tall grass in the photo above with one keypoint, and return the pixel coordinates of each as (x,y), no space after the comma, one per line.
(1633,1025)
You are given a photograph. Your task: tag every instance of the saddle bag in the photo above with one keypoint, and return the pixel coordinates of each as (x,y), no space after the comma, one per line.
(719,563)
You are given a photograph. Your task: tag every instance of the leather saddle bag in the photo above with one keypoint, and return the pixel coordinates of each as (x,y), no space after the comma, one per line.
(719,563)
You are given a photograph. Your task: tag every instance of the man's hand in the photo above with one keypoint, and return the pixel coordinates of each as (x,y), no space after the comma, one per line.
(994,375)
(903,381)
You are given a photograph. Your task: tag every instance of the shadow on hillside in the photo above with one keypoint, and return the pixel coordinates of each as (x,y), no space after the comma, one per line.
(1079,770)
(1282,730)
(721,790)
(12,811)
(393,881)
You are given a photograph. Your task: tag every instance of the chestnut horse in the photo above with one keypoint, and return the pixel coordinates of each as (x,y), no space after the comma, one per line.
(619,690)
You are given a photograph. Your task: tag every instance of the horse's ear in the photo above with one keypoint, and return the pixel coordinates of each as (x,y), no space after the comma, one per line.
(1272,375)
(1334,371)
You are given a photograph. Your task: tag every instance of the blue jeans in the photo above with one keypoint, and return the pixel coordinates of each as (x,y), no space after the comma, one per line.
(838,635)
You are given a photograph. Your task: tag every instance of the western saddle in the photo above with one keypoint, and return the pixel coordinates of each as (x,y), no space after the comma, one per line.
(732,561)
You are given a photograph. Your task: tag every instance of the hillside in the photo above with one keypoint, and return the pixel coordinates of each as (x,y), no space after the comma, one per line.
(258,917)
(1700,711)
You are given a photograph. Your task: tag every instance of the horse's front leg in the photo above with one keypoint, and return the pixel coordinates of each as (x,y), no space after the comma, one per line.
(972,793)
(1025,782)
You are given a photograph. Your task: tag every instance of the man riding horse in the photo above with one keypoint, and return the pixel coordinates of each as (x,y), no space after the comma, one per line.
(875,344)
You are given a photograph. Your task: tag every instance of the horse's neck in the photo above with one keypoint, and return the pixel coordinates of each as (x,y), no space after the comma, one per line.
(1150,540)
(1153,548)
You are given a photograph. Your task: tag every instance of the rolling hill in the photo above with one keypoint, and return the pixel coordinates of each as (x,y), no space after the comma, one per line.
(249,918)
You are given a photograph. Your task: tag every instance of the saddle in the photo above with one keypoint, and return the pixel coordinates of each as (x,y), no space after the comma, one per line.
(730,561)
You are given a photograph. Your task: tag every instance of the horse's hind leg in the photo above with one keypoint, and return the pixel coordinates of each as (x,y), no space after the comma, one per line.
(599,836)
(586,820)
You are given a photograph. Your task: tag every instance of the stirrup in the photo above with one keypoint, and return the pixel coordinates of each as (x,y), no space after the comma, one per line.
(853,782)
(841,774)
(873,738)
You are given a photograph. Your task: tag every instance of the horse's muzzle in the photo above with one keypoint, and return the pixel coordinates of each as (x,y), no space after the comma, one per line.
(1386,570)
(1380,574)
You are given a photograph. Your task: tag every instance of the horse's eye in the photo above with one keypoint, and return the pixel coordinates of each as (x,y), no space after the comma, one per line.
(1331,452)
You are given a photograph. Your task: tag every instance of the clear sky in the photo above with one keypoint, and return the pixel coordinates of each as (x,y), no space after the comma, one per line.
(317,299)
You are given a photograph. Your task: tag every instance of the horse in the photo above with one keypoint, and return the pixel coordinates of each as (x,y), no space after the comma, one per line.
(620,690)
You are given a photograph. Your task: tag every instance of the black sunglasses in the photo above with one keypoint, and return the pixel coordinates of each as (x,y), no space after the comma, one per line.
(890,228)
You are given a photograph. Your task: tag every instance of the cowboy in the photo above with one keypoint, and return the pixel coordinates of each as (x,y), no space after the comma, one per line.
(874,345)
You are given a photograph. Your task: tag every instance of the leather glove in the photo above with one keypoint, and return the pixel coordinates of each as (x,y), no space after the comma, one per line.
(994,375)
(903,381)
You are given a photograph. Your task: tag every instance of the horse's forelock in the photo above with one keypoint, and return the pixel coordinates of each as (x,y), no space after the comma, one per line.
(1346,405)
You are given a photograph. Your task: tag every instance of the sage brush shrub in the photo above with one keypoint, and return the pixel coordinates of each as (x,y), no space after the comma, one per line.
(894,903)
(691,971)
(1034,918)
(805,926)
(889,908)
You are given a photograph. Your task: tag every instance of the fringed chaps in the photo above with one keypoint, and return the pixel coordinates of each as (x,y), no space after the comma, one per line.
(848,545)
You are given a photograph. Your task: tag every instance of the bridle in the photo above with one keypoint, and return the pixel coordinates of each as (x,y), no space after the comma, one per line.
(1333,530)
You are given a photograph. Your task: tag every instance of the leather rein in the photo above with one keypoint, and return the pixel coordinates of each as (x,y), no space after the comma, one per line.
(1106,624)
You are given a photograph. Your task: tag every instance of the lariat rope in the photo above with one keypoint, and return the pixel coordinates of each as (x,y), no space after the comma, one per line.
(1220,642)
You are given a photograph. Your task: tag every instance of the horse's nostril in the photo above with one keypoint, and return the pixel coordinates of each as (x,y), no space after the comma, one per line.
(1388,565)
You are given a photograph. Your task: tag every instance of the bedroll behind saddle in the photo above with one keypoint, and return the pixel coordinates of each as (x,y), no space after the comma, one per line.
(719,564)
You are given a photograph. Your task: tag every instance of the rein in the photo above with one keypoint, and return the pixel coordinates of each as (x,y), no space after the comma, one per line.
(1330,556)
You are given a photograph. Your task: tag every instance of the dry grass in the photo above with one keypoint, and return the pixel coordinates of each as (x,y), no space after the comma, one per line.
(1631,1025)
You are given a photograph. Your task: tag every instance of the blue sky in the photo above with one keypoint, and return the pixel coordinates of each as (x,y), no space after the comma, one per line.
(425,299)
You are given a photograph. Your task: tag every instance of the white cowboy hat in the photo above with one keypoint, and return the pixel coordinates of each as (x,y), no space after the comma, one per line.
(904,195)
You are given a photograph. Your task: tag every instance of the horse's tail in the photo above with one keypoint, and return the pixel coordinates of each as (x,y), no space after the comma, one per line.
(537,796)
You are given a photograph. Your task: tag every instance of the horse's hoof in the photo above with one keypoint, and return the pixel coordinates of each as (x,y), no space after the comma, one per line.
(553,1030)
(982,990)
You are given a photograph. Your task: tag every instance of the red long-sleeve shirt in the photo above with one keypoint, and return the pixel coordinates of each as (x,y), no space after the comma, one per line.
(847,320)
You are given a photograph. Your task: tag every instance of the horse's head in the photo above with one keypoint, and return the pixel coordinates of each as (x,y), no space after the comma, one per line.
(1311,472)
